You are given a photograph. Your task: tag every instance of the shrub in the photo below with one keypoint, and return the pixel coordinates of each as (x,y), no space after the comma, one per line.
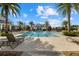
(3,33)
(70,33)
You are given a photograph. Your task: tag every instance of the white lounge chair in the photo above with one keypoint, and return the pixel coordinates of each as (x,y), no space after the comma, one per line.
(3,40)
(11,40)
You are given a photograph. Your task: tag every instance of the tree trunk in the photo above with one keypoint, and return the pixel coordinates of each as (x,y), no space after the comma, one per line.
(69,25)
(47,27)
(65,27)
(6,19)
(31,27)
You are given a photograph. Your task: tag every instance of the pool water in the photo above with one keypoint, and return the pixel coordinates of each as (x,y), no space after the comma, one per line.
(40,34)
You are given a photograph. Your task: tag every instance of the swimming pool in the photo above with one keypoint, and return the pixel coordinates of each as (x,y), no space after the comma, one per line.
(40,34)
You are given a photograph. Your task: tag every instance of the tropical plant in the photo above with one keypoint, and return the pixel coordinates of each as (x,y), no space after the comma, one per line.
(74,27)
(71,33)
(21,25)
(65,23)
(65,9)
(28,27)
(6,9)
(49,28)
(47,25)
(31,25)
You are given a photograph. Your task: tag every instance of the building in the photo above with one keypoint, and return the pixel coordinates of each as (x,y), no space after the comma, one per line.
(39,27)
(2,23)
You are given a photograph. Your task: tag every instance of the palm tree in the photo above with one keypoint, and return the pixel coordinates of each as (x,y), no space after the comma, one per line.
(65,23)
(21,25)
(65,9)
(47,24)
(6,9)
(31,25)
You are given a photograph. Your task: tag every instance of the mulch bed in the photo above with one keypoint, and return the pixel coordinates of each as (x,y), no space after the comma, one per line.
(71,53)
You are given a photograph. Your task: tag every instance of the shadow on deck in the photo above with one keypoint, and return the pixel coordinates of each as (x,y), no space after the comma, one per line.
(32,48)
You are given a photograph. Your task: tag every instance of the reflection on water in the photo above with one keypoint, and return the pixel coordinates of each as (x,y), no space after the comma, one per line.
(40,34)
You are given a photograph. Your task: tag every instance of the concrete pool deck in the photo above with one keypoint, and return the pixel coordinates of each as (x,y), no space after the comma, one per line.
(61,44)
(48,44)
(45,44)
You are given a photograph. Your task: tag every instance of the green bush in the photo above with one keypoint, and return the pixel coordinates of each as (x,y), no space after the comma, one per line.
(3,33)
(70,33)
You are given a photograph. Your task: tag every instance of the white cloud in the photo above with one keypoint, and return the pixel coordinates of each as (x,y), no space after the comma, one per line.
(46,11)
(25,15)
(40,9)
(67,19)
(27,22)
(54,22)
(50,11)
(71,18)
(43,17)
(19,19)
(41,22)
(64,18)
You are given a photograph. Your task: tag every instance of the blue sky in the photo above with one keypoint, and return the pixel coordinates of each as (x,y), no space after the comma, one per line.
(41,12)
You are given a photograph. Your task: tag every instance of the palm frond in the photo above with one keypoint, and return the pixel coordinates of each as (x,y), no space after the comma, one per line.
(61,10)
(76,6)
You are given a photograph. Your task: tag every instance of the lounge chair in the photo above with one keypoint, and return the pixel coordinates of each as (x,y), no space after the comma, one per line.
(13,41)
(3,41)
(20,37)
(73,40)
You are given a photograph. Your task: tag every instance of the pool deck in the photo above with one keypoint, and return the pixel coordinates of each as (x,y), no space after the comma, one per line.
(45,46)
(61,44)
